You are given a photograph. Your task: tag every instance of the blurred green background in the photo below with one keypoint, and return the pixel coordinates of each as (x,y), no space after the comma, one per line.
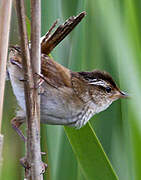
(108,38)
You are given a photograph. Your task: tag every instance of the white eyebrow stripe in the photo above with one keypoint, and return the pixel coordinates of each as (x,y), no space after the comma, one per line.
(99,83)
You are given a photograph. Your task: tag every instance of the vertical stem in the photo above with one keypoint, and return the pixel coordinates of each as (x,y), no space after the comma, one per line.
(35,34)
(35,44)
(36,65)
(33,133)
(5,16)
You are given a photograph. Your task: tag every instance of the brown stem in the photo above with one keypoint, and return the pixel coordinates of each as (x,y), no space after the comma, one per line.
(33,134)
(5,16)
(50,42)
(36,64)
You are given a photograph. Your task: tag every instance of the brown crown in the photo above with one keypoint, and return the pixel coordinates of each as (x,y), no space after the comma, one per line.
(99,75)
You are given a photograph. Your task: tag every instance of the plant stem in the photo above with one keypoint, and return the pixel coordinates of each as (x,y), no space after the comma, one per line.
(5,16)
(33,133)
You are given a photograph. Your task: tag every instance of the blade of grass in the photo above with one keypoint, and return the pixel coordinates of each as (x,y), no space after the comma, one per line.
(90,154)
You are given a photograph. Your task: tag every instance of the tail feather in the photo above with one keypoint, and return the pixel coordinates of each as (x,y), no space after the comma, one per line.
(51,41)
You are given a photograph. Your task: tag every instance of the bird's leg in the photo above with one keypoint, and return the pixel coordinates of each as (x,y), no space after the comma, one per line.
(16,123)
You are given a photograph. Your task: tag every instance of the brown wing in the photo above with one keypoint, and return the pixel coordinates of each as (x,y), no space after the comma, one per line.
(54,73)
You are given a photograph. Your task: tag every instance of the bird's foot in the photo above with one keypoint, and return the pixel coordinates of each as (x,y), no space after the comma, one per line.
(16,122)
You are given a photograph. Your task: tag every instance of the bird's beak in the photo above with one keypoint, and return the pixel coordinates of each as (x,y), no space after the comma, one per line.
(123,95)
(119,94)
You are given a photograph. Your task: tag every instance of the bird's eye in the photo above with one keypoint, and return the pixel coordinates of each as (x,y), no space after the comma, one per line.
(108,89)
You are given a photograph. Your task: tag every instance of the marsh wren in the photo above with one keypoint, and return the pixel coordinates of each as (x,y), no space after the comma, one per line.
(67,98)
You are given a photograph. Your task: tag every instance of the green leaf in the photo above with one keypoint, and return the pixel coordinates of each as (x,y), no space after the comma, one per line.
(90,154)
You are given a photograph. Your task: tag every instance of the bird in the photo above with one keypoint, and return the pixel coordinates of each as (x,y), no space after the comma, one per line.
(67,98)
